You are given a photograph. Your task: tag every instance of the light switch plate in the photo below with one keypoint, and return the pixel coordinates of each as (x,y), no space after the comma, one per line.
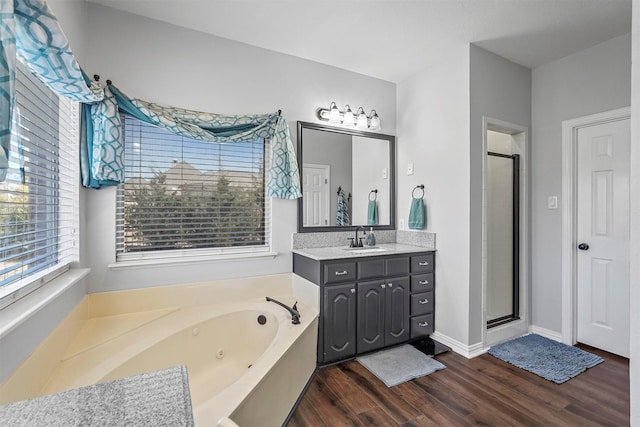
(410,169)
(385,173)
(552,202)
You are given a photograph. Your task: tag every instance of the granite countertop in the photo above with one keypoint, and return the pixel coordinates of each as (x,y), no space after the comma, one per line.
(159,398)
(342,252)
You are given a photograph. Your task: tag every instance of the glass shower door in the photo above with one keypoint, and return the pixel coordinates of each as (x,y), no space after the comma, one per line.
(502,238)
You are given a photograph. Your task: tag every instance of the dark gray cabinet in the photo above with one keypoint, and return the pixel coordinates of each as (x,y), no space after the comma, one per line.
(369,303)
(339,317)
(397,318)
(422,294)
(371,323)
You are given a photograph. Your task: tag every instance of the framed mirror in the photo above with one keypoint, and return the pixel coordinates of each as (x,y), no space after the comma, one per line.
(347,178)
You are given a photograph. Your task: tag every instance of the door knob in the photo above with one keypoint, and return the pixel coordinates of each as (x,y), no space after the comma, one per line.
(583,247)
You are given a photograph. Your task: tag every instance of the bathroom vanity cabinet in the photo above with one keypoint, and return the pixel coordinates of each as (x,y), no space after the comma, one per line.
(371,302)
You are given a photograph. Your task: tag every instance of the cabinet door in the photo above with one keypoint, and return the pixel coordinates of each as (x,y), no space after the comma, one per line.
(397,317)
(339,319)
(371,297)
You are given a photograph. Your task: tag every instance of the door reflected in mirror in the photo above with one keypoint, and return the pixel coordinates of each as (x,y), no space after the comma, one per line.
(347,178)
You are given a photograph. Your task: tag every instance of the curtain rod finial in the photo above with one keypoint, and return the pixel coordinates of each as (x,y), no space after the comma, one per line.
(109,82)
(96,77)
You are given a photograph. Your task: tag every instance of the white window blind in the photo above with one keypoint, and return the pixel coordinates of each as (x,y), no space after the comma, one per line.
(39,198)
(184,197)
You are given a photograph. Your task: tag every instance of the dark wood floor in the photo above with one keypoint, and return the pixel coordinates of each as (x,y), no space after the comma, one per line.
(482,391)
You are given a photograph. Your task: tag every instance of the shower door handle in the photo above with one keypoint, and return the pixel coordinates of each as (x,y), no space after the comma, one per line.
(583,247)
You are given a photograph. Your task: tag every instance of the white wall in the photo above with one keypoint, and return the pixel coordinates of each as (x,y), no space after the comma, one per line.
(159,62)
(499,89)
(433,134)
(594,80)
(634,364)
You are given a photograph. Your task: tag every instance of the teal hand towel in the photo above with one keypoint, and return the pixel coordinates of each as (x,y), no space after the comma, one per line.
(416,214)
(372,213)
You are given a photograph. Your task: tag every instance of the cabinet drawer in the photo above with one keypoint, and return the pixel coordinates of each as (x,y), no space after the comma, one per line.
(422,263)
(397,266)
(339,272)
(421,325)
(422,283)
(370,269)
(422,303)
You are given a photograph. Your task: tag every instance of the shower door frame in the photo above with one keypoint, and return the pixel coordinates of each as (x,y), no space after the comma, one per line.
(515,242)
(521,146)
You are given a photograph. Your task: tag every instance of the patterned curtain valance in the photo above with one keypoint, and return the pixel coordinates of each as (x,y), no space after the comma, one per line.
(102,155)
(29,29)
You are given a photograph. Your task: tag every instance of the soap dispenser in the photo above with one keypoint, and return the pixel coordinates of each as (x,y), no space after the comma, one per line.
(371,239)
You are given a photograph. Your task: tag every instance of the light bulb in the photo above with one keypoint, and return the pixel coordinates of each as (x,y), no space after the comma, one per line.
(348,118)
(334,113)
(375,121)
(361,123)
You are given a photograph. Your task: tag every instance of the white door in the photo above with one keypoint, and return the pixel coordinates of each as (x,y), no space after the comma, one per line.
(603,236)
(315,197)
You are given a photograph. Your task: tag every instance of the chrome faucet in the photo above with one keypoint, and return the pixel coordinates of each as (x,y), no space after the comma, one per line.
(295,314)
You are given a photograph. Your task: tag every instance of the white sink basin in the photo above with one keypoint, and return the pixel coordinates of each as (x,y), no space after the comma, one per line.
(365,250)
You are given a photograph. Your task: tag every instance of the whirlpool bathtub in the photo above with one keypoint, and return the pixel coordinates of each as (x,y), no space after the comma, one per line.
(245,359)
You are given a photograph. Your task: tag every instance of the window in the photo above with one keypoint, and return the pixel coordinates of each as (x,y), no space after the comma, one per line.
(39,198)
(184,197)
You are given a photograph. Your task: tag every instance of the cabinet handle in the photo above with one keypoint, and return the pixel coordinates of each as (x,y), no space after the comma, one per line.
(424,301)
(353,291)
(383,286)
(423,263)
(424,282)
(341,273)
(423,324)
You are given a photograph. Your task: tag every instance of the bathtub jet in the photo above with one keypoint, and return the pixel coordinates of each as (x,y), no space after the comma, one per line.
(295,314)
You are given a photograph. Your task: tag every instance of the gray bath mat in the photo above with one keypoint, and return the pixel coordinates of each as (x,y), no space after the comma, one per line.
(399,364)
(549,359)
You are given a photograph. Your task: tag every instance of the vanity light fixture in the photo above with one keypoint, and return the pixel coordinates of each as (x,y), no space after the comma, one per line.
(334,113)
(347,117)
(360,120)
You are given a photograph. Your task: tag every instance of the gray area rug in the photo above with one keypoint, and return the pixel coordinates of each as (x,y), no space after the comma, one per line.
(547,358)
(399,364)
(159,398)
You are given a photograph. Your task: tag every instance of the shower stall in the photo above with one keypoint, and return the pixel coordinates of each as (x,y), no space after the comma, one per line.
(503,231)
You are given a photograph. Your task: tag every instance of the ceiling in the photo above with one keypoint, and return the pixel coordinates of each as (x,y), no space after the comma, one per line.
(393,40)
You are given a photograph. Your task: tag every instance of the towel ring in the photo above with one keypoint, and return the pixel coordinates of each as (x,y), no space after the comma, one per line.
(418,187)
(375,195)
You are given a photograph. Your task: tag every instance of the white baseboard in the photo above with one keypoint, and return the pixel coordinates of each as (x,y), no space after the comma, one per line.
(547,333)
(468,351)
